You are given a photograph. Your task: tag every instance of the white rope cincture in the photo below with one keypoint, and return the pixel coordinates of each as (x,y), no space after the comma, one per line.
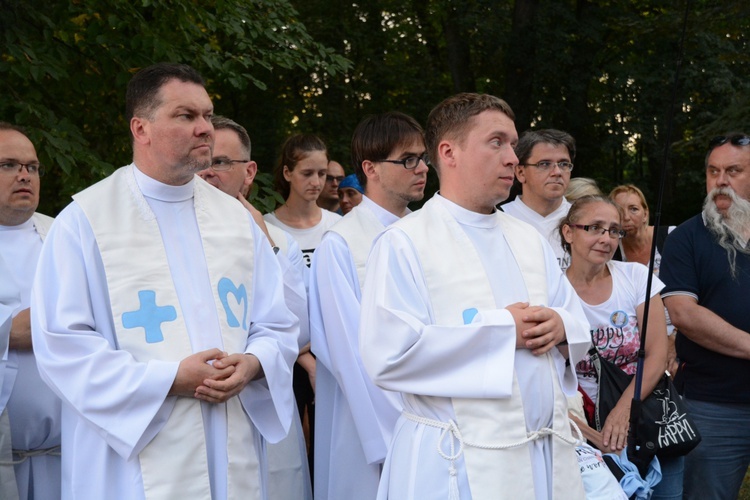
(455,433)
(26,454)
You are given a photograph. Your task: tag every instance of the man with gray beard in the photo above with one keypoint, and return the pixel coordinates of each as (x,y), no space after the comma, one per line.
(706,267)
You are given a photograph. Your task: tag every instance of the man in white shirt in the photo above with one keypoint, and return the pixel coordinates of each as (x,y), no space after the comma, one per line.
(159,317)
(33,409)
(354,418)
(232,172)
(545,161)
(465,312)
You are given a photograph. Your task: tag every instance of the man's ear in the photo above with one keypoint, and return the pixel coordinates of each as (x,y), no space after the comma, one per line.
(140,128)
(520,174)
(251,172)
(371,172)
(447,154)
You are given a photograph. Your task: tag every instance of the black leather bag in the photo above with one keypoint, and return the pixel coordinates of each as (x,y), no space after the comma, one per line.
(665,428)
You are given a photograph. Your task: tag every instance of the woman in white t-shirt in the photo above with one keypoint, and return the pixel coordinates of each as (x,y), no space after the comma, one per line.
(299,177)
(613,296)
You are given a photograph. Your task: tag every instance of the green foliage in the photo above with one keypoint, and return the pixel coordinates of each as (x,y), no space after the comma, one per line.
(602,70)
(64,67)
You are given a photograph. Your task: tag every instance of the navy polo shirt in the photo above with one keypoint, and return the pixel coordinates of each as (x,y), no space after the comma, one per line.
(694,264)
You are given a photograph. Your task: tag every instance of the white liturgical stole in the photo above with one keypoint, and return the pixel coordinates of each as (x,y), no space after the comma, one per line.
(149,323)
(359,228)
(495,423)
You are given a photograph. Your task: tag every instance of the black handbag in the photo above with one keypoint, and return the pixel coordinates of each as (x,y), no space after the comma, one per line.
(665,428)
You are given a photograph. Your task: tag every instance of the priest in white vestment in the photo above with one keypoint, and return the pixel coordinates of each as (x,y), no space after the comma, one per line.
(466,313)
(34,411)
(158,316)
(233,172)
(354,418)
(545,163)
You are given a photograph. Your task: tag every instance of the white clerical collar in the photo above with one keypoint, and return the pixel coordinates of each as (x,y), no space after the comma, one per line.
(151,188)
(384,216)
(29,224)
(468,217)
(557,213)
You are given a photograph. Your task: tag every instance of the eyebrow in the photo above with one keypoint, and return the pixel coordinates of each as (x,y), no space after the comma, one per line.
(407,154)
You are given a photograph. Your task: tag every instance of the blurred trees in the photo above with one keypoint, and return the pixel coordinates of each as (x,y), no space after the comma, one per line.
(601,69)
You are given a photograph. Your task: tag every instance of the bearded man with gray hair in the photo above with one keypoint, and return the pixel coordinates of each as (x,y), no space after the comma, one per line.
(706,267)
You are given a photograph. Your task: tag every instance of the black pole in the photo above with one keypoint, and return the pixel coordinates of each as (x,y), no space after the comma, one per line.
(639,456)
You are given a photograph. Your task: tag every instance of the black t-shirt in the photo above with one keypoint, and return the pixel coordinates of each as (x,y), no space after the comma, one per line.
(694,264)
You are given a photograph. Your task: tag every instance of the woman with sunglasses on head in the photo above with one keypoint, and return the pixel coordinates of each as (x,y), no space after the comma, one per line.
(613,295)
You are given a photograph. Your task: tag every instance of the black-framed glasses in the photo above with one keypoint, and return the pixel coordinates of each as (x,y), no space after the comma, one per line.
(735,140)
(546,165)
(410,162)
(15,167)
(614,232)
(337,178)
(223,164)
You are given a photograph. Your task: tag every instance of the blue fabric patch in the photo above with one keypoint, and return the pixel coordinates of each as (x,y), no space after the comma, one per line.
(469,315)
(225,287)
(149,316)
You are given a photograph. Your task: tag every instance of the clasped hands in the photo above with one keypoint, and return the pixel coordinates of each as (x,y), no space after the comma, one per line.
(214,376)
(538,328)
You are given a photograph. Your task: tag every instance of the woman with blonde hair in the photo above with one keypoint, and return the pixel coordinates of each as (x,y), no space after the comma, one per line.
(639,235)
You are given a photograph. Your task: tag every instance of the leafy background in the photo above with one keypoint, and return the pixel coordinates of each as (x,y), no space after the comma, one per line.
(602,70)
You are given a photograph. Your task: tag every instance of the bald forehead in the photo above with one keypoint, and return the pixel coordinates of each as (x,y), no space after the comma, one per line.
(16,146)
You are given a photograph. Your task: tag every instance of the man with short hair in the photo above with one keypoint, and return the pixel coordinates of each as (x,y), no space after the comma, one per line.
(706,268)
(329,196)
(232,172)
(545,161)
(33,409)
(159,317)
(465,312)
(354,418)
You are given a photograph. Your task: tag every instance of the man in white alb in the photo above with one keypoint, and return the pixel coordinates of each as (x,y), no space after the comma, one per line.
(354,418)
(465,312)
(33,409)
(232,171)
(158,316)
(545,161)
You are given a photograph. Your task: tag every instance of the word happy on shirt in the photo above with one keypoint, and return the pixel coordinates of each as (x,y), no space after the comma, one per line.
(616,341)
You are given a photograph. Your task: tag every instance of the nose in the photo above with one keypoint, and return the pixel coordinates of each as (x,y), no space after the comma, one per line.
(206,173)
(722,179)
(511,160)
(556,170)
(23,173)
(204,127)
(422,166)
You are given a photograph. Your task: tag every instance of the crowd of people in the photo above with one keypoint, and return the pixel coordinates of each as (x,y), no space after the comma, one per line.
(163,339)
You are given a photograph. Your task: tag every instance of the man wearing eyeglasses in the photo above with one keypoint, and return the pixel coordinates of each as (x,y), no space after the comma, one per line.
(233,172)
(463,313)
(354,418)
(33,409)
(545,161)
(158,316)
(329,196)
(706,269)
